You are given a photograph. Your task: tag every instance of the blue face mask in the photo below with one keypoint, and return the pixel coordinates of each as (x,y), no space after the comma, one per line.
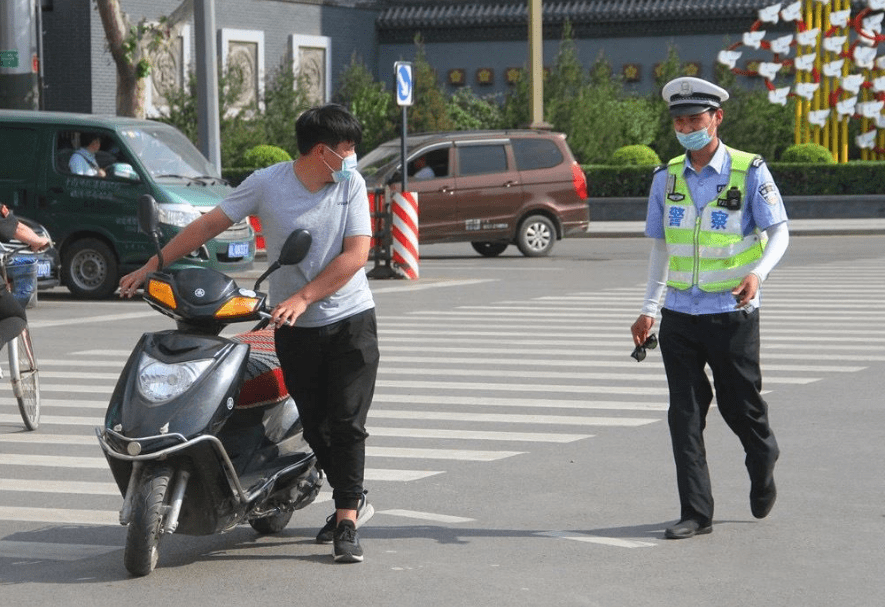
(694,140)
(348,166)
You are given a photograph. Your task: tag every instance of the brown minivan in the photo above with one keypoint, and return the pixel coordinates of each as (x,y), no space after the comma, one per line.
(489,188)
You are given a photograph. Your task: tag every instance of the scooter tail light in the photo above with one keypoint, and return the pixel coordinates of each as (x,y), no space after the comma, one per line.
(238,306)
(161,292)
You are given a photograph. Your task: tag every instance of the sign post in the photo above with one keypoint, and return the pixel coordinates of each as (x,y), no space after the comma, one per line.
(402,71)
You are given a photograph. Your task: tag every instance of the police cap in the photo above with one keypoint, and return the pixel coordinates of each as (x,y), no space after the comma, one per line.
(688,95)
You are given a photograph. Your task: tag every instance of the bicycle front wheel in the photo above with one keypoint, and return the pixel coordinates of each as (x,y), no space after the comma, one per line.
(25,379)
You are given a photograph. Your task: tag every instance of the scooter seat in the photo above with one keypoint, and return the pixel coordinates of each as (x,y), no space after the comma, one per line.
(264,383)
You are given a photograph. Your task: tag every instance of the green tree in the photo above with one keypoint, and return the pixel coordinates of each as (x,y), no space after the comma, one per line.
(370,102)
(429,112)
(471,112)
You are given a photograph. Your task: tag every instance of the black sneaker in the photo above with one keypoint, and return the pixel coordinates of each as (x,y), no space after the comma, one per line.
(364,512)
(346,542)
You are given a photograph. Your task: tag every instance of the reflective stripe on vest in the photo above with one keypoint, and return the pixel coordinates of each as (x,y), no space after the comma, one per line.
(708,250)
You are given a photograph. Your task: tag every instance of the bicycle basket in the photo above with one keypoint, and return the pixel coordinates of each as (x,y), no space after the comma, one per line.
(22,275)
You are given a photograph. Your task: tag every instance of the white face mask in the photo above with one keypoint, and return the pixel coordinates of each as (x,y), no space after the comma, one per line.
(348,166)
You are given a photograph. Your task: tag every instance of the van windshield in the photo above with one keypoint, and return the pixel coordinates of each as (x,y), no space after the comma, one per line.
(168,153)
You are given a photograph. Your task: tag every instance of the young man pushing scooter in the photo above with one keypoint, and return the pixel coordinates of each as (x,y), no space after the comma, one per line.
(324,313)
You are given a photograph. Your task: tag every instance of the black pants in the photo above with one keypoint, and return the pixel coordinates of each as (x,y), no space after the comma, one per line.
(12,316)
(330,373)
(729,343)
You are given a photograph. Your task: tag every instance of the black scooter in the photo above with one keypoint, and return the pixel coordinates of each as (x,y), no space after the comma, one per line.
(189,447)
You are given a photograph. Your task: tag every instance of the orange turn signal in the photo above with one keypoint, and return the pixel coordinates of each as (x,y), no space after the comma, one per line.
(162,292)
(238,306)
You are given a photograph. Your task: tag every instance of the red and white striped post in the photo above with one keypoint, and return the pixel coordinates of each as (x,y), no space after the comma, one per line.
(404,233)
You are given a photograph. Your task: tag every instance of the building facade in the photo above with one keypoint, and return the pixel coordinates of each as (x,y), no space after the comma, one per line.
(481,44)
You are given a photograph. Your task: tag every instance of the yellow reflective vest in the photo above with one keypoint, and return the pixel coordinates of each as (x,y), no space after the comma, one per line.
(709,250)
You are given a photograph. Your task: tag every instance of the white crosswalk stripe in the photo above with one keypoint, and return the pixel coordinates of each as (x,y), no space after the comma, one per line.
(474,380)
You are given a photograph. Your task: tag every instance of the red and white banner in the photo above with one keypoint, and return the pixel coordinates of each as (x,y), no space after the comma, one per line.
(404,233)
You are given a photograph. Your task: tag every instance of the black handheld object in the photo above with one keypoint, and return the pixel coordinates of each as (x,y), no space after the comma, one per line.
(651,342)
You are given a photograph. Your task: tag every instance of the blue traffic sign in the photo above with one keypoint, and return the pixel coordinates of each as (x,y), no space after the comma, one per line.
(404,84)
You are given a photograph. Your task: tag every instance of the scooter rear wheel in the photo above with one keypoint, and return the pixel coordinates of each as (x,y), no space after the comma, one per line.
(271,524)
(148,512)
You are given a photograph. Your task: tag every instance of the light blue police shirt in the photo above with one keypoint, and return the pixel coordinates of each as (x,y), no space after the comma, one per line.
(762,199)
(83,162)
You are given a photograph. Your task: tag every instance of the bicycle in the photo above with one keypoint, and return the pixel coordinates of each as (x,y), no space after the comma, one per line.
(23,371)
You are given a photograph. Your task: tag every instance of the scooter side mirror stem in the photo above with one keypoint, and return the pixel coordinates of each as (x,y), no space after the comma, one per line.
(149,223)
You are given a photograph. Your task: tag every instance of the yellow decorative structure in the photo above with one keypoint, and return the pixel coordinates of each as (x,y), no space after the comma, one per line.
(838,76)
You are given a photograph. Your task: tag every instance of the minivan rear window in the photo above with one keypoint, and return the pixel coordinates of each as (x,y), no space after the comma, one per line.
(482,159)
(535,154)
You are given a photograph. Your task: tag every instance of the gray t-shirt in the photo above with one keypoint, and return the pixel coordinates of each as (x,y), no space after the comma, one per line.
(335,212)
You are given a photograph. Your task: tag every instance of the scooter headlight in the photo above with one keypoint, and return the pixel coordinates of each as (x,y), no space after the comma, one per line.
(160,382)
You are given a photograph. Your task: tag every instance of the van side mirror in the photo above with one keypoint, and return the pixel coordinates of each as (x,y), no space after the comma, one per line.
(149,223)
(294,251)
(123,170)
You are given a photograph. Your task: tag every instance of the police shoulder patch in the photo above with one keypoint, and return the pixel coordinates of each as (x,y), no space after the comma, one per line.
(769,193)
(758,161)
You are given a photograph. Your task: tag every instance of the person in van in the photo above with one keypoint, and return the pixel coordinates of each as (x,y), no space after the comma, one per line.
(422,169)
(83,160)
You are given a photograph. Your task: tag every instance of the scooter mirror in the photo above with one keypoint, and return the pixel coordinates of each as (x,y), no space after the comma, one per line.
(148,215)
(149,223)
(295,248)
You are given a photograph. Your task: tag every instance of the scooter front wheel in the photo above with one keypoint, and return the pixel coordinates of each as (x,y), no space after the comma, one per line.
(148,512)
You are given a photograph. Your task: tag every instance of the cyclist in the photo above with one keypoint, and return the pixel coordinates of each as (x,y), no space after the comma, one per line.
(12,315)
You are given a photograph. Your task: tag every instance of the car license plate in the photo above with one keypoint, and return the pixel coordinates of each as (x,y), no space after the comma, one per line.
(238,249)
(43,269)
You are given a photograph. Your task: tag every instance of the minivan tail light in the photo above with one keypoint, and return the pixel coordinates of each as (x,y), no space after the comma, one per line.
(579,180)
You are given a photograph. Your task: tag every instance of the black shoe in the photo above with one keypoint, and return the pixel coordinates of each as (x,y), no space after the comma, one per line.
(346,548)
(686,529)
(762,497)
(364,512)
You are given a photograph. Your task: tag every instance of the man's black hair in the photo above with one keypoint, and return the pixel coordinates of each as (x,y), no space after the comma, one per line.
(329,124)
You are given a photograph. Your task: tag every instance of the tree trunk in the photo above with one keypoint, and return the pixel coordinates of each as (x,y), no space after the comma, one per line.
(130,87)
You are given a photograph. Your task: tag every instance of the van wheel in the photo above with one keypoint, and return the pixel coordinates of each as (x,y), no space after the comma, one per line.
(89,269)
(536,236)
(489,249)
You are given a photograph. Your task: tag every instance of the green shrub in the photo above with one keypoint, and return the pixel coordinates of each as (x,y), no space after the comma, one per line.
(811,153)
(264,155)
(634,155)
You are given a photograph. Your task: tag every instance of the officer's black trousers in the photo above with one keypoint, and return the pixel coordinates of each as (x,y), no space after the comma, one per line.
(330,373)
(729,344)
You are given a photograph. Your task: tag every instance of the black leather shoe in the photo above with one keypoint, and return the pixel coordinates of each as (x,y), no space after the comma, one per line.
(762,498)
(686,529)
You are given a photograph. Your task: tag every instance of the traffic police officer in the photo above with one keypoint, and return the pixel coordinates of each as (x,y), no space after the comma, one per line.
(710,212)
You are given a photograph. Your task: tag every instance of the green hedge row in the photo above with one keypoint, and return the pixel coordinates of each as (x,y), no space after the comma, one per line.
(853,178)
(793,179)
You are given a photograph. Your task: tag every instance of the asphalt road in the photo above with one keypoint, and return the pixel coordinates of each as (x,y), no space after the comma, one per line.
(518,455)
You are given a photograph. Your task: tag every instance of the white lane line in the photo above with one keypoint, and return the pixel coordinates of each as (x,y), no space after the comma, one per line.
(546,403)
(580,364)
(44,551)
(432,285)
(59,461)
(527,437)
(565,420)
(124,353)
(80,320)
(545,388)
(467,455)
(65,516)
(427,516)
(44,374)
(643,375)
(41,438)
(595,539)
(480,350)
(49,420)
(66,487)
